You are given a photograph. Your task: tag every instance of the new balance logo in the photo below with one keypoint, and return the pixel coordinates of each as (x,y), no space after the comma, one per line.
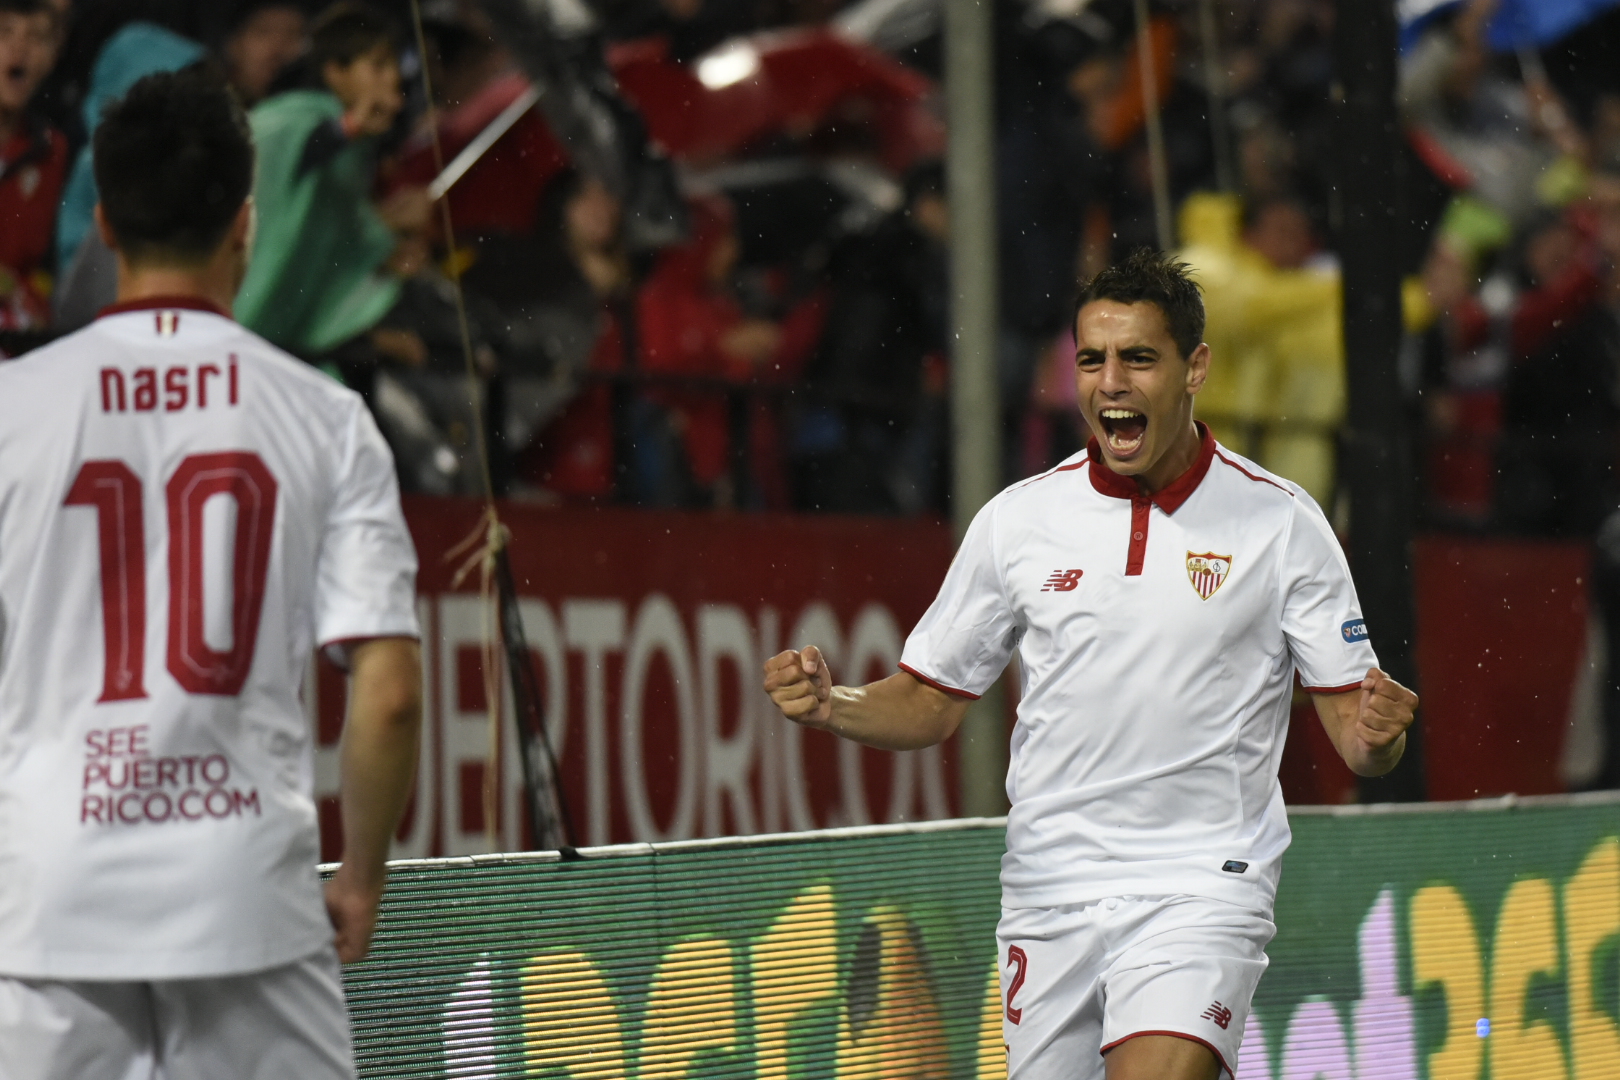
(1219,1014)
(1063,581)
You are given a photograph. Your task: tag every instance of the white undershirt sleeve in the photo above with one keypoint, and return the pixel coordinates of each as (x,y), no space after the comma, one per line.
(366,579)
(1321,617)
(965,638)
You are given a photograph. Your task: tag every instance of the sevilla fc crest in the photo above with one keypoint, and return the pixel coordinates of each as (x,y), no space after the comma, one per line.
(1207,571)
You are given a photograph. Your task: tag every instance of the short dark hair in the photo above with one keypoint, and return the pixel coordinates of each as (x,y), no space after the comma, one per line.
(173,164)
(26,7)
(347,31)
(1149,277)
(245,12)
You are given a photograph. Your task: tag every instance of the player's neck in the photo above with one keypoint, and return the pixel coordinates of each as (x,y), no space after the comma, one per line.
(136,283)
(1175,461)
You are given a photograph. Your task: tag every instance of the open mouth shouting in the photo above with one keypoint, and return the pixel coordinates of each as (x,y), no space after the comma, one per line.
(1123,430)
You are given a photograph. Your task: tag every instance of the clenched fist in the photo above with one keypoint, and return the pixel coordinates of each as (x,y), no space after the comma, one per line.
(801,686)
(1366,723)
(1387,710)
(900,712)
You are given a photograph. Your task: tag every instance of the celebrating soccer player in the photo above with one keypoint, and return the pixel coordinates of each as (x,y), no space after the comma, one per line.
(185,512)
(1161,593)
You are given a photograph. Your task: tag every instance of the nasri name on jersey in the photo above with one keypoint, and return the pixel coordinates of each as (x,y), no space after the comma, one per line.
(181,385)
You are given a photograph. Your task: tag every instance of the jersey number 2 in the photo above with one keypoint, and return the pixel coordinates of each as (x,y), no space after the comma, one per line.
(115,492)
(1015,956)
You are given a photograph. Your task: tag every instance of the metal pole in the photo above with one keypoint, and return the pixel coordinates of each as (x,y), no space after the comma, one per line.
(975,409)
(1215,87)
(1377,459)
(1155,129)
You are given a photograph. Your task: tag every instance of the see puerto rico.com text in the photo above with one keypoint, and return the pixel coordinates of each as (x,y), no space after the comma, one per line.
(125,785)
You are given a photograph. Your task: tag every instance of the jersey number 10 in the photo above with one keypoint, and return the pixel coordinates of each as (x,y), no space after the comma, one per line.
(115,492)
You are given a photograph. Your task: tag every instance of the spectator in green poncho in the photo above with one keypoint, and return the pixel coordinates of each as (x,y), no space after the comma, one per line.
(328,261)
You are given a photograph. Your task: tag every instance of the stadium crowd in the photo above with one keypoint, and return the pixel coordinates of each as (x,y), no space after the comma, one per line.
(788,351)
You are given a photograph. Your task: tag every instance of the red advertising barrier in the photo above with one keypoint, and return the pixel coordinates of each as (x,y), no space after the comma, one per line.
(649,630)
(1501,631)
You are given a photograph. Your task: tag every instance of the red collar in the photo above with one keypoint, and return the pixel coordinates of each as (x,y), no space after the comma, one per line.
(164,303)
(1169,498)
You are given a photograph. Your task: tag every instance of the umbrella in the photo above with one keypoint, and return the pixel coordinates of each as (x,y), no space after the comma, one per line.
(1517,24)
(747,88)
(774,81)
(558,44)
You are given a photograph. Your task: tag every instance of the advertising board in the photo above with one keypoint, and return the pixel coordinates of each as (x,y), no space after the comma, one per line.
(649,628)
(649,631)
(1454,942)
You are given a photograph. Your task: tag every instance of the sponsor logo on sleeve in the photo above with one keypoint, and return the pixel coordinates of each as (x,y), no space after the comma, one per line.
(1233,866)
(1355,630)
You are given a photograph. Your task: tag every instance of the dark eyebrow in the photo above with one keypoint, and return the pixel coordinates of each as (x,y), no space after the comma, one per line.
(1129,352)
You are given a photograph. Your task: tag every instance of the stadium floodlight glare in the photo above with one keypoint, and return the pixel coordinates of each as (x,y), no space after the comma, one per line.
(731,63)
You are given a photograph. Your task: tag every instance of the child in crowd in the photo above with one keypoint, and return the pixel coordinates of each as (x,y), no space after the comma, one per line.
(328,260)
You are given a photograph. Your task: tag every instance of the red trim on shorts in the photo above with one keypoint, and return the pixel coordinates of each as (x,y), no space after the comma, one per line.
(1176,1035)
(1331,689)
(936,684)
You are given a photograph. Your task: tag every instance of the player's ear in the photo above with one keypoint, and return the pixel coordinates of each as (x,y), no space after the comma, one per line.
(103,229)
(1197,368)
(243,226)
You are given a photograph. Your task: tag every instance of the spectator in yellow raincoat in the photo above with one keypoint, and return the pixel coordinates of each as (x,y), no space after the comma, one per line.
(1275,325)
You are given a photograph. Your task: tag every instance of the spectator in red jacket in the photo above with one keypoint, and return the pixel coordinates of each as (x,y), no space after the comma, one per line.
(691,324)
(33,164)
(1560,418)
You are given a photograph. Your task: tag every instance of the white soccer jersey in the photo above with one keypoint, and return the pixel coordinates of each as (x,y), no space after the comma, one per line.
(185,511)
(1158,638)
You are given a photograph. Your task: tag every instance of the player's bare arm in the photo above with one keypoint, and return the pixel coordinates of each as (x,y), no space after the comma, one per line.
(1368,724)
(380,739)
(900,712)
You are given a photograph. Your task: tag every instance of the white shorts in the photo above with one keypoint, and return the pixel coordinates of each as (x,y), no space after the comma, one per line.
(1077,981)
(290,1021)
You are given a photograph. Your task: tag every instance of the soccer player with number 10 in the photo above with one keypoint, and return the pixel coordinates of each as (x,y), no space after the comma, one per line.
(185,514)
(1161,593)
